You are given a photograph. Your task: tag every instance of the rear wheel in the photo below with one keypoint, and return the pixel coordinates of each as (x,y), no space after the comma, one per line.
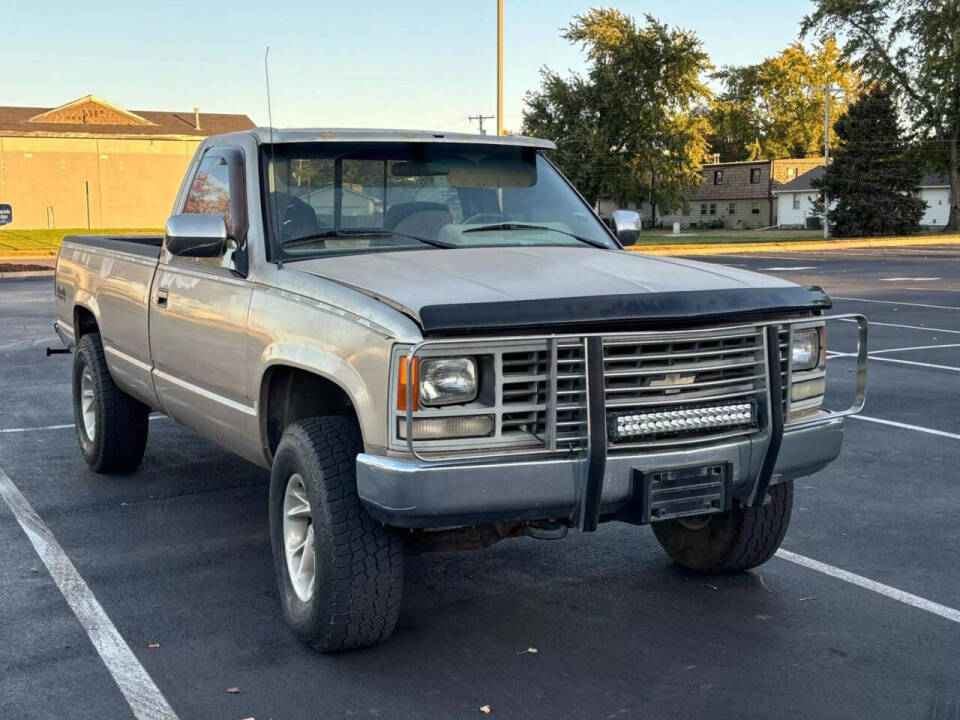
(340,572)
(111,425)
(736,540)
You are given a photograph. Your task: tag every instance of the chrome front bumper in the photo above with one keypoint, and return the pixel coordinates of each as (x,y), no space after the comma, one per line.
(413,494)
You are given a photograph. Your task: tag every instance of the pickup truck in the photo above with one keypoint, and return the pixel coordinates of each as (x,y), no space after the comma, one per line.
(432,342)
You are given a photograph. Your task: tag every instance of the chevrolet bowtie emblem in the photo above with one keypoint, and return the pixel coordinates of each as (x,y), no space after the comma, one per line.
(672,380)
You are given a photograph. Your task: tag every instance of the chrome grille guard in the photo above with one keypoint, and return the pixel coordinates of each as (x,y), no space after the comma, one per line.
(771,332)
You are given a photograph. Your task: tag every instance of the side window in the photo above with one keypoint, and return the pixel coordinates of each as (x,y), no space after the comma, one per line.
(210,191)
(217,189)
(754,176)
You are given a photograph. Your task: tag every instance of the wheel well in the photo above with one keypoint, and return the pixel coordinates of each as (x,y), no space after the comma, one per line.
(289,394)
(83,322)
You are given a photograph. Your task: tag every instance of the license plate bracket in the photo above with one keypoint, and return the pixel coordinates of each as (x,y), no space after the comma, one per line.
(667,493)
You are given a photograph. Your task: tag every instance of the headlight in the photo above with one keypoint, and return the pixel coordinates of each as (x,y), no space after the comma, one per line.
(805,349)
(447,381)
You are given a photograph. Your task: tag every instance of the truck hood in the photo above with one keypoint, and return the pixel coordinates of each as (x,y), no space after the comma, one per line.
(539,286)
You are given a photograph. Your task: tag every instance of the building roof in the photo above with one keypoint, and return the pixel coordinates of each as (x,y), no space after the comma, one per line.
(804,182)
(93,116)
(934,180)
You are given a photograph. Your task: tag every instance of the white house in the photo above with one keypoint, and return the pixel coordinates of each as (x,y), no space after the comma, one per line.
(935,190)
(795,200)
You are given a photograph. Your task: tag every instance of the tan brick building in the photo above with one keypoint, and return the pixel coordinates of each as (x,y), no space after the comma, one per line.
(738,194)
(89,156)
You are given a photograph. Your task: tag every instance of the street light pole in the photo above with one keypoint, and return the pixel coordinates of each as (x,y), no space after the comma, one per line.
(826,158)
(499,67)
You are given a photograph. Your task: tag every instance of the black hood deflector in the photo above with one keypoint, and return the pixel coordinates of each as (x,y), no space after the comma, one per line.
(645,311)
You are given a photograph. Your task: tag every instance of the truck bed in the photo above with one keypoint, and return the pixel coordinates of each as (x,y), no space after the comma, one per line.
(107,279)
(148,245)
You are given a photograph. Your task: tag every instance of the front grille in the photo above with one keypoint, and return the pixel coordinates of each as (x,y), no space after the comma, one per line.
(783,346)
(571,394)
(523,391)
(685,370)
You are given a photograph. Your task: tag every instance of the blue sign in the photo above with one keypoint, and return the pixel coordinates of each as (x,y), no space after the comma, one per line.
(6,214)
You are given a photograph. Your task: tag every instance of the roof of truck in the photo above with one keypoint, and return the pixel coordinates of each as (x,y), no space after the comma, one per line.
(291,135)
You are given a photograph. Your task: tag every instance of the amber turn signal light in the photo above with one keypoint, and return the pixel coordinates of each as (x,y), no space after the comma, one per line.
(408,375)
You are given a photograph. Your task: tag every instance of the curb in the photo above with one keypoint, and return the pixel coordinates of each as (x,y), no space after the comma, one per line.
(791,246)
(27,274)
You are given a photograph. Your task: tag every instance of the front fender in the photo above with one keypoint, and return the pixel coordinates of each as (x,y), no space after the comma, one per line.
(331,367)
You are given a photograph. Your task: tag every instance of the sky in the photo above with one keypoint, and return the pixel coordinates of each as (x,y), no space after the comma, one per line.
(360,63)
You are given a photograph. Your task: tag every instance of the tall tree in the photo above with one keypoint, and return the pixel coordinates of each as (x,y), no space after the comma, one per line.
(871,179)
(914,46)
(778,103)
(625,129)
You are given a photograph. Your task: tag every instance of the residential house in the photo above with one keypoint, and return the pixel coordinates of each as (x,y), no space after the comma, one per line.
(795,200)
(738,194)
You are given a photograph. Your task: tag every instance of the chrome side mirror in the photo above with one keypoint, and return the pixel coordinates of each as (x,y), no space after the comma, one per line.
(196,235)
(626,226)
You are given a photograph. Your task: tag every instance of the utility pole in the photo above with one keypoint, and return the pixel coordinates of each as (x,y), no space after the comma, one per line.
(828,91)
(480,118)
(499,68)
(826,157)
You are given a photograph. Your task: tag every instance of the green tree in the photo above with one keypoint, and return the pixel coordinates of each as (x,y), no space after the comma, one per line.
(777,105)
(913,46)
(626,129)
(871,179)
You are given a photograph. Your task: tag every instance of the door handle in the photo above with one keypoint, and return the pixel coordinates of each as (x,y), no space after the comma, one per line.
(162,294)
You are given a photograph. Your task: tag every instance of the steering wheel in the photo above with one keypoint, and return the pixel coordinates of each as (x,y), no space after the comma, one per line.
(486,218)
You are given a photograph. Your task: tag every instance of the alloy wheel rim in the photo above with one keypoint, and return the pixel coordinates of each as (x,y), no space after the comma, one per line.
(298,538)
(88,403)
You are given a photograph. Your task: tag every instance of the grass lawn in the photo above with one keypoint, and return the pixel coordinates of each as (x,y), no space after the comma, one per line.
(701,237)
(38,243)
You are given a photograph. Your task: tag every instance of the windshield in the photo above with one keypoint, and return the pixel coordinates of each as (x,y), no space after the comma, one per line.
(337,198)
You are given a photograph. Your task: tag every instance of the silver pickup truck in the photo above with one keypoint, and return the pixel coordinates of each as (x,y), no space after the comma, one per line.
(431,341)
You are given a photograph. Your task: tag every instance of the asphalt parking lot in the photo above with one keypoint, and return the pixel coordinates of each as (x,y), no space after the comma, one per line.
(177,554)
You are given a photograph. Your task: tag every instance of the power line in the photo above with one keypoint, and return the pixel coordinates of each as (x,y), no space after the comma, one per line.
(480,118)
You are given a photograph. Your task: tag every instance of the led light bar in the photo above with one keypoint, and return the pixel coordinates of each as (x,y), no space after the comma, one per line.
(632,425)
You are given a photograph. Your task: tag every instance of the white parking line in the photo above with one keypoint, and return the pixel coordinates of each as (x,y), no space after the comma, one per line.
(142,695)
(843,355)
(915,363)
(906,426)
(788,267)
(45,427)
(868,584)
(915,347)
(910,327)
(58,427)
(896,302)
(910,279)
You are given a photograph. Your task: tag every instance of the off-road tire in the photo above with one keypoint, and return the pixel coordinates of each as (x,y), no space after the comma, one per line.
(120,432)
(359,562)
(740,539)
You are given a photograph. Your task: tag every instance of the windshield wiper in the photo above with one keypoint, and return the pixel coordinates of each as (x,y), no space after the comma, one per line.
(307,239)
(523,226)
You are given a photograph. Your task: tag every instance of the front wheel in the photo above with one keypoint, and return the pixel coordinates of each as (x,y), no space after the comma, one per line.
(340,572)
(736,540)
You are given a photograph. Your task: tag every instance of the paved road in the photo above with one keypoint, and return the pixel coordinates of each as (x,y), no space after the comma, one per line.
(178,555)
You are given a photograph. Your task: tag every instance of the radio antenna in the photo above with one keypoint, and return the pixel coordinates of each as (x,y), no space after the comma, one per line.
(273,171)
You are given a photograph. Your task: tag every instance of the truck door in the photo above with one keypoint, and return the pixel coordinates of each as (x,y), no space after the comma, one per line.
(198,315)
